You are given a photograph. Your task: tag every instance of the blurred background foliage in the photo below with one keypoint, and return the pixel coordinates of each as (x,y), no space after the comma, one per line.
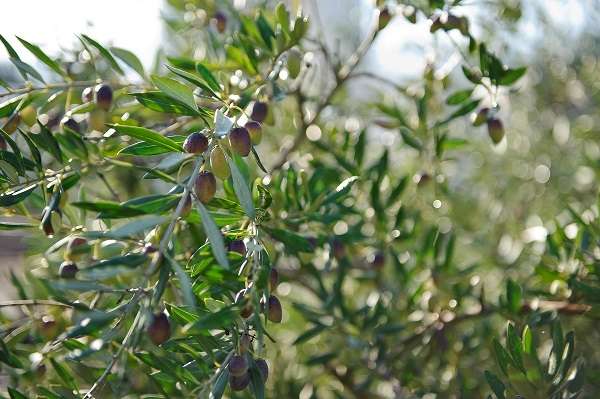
(414,271)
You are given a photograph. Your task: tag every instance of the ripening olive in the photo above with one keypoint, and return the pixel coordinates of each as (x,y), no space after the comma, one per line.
(255,130)
(3,145)
(47,227)
(274,311)
(259,111)
(239,140)
(294,62)
(238,246)
(218,163)
(245,342)
(12,123)
(48,327)
(384,17)
(480,117)
(29,115)
(263,367)
(220,21)
(75,248)
(377,260)
(159,329)
(68,269)
(239,383)
(70,123)
(436,24)
(97,120)
(187,206)
(206,186)
(273,279)
(238,365)
(104,96)
(495,130)
(338,248)
(195,143)
(87,95)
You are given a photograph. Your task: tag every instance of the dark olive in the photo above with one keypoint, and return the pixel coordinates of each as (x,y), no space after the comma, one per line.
(263,367)
(255,130)
(384,17)
(338,248)
(239,383)
(70,123)
(68,269)
(220,21)
(206,186)
(495,130)
(240,142)
(378,260)
(259,111)
(481,117)
(159,329)
(238,365)
(104,96)
(274,311)
(195,143)
(238,246)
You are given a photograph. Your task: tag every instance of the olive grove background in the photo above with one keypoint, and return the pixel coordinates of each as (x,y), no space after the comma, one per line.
(418,255)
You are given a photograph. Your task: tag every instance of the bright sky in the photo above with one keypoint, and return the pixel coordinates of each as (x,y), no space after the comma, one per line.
(131,24)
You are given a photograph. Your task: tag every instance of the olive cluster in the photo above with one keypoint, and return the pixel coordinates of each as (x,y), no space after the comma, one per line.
(102,96)
(270,305)
(239,368)
(239,141)
(494,125)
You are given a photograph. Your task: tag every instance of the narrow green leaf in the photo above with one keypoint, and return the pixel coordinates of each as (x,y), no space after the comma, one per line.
(341,190)
(513,296)
(43,57)
(26,69)
(149,149)
(193,79)
(208,77)
(240,186)
(130,59)
(104,53)
(64,373)
(459,97)
(214,235)
(186,284)
(15,226)
(175,90)
(13,197)
(515,347)
(15,394)
(149,136)
(220,384)
(497,386)
(410,139)
(16,151)
(510,76)
(160,102)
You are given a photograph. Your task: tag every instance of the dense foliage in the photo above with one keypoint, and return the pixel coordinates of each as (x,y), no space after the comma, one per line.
(242,222)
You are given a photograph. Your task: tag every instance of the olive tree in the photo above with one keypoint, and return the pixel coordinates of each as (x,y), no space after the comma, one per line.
(163,210)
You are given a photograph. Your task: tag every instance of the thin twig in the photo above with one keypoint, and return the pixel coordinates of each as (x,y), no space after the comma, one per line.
(33,302)
(100,381)
(342,76)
